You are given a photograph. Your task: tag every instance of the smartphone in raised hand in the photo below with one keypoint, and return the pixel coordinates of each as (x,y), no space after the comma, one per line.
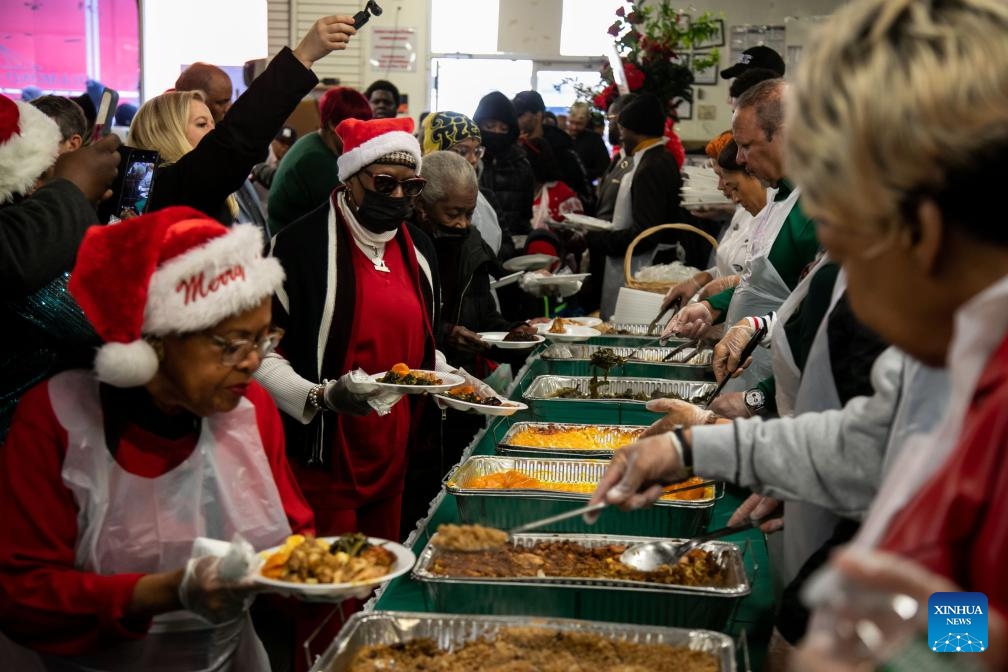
(106,115)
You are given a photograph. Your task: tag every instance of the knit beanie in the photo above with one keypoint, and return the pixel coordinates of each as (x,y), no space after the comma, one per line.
(442,130)
(644,115)
(175,271)
(495,105)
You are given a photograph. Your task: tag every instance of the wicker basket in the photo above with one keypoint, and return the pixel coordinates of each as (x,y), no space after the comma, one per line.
(655,286)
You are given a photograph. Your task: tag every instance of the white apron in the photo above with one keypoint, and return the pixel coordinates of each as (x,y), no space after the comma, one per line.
(761,290)
(132,524)
(806,526)
(614,277)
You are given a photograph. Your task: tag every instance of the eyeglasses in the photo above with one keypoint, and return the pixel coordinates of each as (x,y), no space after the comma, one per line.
(386,184)
(462,150)
(237,351)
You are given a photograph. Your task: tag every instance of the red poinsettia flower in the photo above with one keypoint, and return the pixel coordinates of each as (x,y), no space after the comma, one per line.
(603,99)
(634,76)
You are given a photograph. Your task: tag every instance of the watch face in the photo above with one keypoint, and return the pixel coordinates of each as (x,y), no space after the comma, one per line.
(755,398)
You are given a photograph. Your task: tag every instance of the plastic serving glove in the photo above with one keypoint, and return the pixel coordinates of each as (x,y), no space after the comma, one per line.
(359,383)
(481,388)
(217,584)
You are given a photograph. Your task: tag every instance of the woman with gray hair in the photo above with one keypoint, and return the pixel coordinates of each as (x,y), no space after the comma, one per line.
(444,211)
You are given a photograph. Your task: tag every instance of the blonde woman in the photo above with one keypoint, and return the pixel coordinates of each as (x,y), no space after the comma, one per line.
(588,144)
(202,163)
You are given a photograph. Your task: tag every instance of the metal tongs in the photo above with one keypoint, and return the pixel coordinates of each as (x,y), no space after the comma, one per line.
(651,555)
(674,307)
(747,351)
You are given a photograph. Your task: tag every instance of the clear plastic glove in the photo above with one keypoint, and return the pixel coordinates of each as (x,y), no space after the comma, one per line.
(682,292)
(690,322)
(728,349)
(758,506)
(218,586)
(865,586)
(465,340)
(360,384)
(340,398)
(638,473)
(677,413)
(730,405)
(532,283)
(718,285)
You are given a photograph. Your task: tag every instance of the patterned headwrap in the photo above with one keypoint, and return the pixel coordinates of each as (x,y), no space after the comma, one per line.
(715,146)
(441,130)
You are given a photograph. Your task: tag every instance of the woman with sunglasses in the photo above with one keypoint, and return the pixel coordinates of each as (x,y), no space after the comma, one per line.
(458,133)
(362,292)
(110,475)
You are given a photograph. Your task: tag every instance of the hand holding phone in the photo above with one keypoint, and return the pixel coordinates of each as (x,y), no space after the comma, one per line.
(132,188)
(106,115)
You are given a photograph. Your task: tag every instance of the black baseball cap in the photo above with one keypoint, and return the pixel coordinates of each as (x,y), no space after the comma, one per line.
(755,57)
(528,101)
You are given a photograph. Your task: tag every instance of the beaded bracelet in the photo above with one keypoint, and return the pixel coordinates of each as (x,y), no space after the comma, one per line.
(316,396)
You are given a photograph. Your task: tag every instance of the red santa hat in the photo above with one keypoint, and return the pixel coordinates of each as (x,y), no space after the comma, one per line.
(175,271)
(376,141)
(29,143)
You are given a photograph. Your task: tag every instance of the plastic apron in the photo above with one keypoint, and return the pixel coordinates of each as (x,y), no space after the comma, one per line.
(807,526)
(128,523)
(614,277)
(762,290)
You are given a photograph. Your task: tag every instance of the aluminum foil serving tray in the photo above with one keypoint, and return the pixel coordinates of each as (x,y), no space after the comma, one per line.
(655,355)
(451,631)
(600,599)
(512,507)
(610,438)
(545,388)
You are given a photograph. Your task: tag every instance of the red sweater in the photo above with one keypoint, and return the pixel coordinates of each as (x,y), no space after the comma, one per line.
(47,604)
(957,525)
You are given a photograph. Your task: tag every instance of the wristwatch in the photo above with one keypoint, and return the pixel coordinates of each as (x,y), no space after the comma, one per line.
(755,401)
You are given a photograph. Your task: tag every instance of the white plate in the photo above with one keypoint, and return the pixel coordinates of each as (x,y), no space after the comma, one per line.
(403,563)
(585,321)
(449,380)
(497,338)
(572,334)
(557,280)
(574,220)
(529,262)
(506,280)
(508,407)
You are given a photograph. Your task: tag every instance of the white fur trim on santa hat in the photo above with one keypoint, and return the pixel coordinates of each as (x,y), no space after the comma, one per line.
(211,283)
(366,153)
(126,364)
(29,153)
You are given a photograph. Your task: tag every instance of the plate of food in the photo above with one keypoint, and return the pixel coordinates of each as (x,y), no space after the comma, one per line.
(585,321)
(563,330)
(574,220)
(400,378)
(349,565)
(529,262)
(509,340)
(466,398)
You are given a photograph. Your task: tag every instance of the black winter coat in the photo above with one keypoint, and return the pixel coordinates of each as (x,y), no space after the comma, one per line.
(572,171)
(510,177)
(222,161)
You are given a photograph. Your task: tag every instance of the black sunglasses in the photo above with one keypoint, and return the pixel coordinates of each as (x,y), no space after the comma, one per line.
(386,184)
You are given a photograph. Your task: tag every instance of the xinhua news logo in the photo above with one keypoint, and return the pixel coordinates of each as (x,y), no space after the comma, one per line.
(957,622)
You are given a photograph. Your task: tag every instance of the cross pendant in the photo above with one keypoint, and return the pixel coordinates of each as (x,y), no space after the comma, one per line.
(379,265)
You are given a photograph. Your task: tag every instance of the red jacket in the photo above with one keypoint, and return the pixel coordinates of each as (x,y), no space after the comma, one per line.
(957,525)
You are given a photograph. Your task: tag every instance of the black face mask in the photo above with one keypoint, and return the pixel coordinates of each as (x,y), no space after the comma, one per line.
(495,142)
(380,213)
(449,232)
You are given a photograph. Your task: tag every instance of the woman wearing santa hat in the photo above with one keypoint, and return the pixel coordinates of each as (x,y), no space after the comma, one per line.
(361,292)
(108,476)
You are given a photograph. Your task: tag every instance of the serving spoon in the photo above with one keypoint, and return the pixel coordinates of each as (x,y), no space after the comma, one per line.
(650,555)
